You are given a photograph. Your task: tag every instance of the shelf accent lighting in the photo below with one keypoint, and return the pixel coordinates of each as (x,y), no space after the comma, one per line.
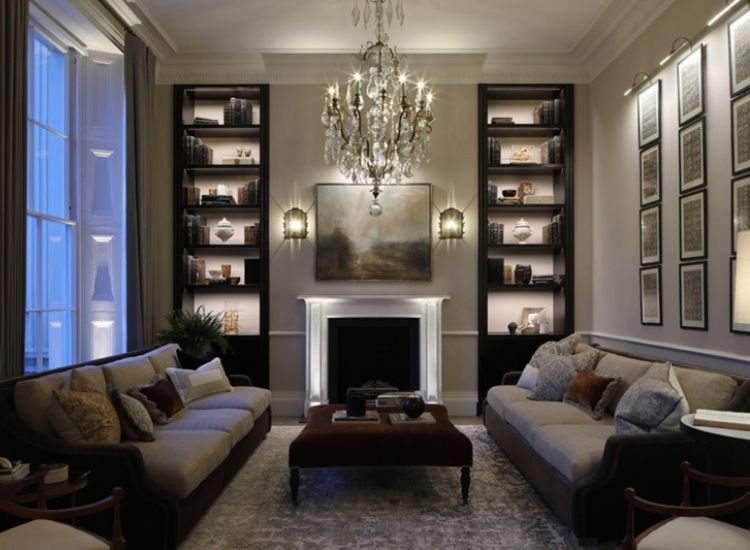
(741,307)
(676,48)
(295,224)
(451,224)
(723,12)
(636,82)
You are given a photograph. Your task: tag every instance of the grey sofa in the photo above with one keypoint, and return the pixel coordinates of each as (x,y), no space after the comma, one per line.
(580,466)
(170,482)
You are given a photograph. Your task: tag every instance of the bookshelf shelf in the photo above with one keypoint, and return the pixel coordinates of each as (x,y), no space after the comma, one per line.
(238,209)
(223,289)
(223,169)
(205,130)
(525,208)
(523,130)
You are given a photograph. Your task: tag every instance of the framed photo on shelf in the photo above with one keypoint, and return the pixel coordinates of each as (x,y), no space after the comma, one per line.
(740,328)
(693,242)
(651,235)
(651,295)
(690,103)
(651,175)
(739,54)
(649,114)
(693,156)
(693,296)
(741,134)
(740,208)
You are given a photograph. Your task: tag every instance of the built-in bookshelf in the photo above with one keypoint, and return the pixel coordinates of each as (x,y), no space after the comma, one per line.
(525,135)
(221,214)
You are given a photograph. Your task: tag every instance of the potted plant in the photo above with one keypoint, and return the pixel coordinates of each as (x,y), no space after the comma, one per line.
(198,333)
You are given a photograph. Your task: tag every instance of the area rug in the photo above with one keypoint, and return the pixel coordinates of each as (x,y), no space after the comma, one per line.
(378,508)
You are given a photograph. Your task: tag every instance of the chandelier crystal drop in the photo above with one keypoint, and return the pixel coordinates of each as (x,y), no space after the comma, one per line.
(375,133)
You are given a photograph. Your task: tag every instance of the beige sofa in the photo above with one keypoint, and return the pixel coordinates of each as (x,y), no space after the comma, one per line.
(170,481)
(581,466)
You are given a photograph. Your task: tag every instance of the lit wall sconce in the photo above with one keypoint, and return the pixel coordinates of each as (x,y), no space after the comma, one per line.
(676,48)
(741,305)
(295,224)
(636,82)
(451,224)
(724,11)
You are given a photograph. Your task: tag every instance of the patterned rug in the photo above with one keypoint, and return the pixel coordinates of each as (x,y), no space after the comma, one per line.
(378,508)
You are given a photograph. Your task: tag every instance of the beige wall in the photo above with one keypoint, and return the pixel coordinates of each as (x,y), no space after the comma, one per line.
(615,244)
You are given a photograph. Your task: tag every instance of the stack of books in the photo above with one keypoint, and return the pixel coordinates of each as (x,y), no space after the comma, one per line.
(252,233)
(19,470)
(502,120)
(394,399)
(197,232)
(203,121)
(539,199)
(491,194)
(543,279)
(340,417)
(551,151)
(547,113)
(238,112)
(195,271)
(217,200)
(495,235)
(248,193)
(552,233)
(191,195)
(196,152)
(493,151)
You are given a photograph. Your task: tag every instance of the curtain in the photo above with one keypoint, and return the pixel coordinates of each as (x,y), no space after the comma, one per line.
(140,209)
(14,25)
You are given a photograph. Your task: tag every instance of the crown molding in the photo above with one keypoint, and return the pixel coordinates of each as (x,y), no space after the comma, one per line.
(103,20)
(48,23)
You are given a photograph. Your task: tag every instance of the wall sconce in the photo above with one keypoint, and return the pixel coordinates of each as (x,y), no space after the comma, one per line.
(295,224)
(741,308)
(723,11)
(636,83)
(451,224)
(675,48)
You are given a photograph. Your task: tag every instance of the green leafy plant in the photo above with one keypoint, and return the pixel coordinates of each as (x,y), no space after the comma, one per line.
(196,333)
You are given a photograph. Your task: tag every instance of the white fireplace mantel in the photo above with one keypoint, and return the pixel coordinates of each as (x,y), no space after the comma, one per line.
(318,309)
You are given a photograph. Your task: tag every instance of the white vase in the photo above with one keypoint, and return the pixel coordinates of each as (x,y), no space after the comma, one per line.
(522,231)
(224,230)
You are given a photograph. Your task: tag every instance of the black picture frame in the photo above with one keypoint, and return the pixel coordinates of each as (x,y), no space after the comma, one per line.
(649,114)
(691,147)
(698,228)
(738,35)
(740,207)
(650,240)
(741,129)
(733,327)
(691,101)
(650,156)
(657,299)
(697,289)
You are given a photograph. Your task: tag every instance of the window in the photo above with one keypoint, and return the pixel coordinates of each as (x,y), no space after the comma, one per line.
(75,206)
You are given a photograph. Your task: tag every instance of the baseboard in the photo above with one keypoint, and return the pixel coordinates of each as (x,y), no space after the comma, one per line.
(716,360)
(460,403)
(288,403)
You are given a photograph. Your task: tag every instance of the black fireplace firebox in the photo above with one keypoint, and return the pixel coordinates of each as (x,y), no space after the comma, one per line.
(370,351)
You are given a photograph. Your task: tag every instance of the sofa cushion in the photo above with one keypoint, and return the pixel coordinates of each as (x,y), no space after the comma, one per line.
(32,397)
(208,379)
(557,371)
(155,413)
(618,366)
(499,397)
(134,418)
(164,395)
(163,358)
(574,450)
(566,346)
(527,415)
(591,392)
(236,422)
(177,461)
(706,390)
(528,377)
(45,533)
(248,398)
(129,372)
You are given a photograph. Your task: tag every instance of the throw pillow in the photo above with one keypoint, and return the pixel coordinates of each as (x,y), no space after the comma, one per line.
(556,373)
(207,380)
(187,361)
(651,404)
(134,418)
(155,413)
(83,414)
(163,393)
(566,346)
(528,378)
(591,392)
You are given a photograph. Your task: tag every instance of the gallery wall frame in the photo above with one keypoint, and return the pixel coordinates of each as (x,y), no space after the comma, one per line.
(690,77)
(694,295)
(692,145)
(741,134)
(651,300)
(650,174)
(738,35)
(650,232)
(649,114)
(740,207)
(693,226)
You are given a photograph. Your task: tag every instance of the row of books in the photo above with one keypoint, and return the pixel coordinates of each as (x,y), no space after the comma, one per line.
(547,113)
(218,200)
(196,152)
(204,121)
(494,148)
(238,112)
(195,270)
(552,232)
(247,195)
(551,151)
(197,232)
(542,279)
(495,233)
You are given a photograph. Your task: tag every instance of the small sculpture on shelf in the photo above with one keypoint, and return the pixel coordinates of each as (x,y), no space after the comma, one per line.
(231,318)
(525,188)
(512,327)
(522,231)
(224,230)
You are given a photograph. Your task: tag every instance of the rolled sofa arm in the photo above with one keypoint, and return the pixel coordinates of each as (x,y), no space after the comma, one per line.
(240,380)
(510,378)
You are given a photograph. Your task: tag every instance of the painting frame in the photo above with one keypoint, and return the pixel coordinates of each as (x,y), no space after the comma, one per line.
(740,207)
(649,114)
(650,167)
(693,220)
(738,35)
(650,236)
(736,328)
(651,319)
(697,289)
(741,134)
(689,149)
(351,245)
(691,70)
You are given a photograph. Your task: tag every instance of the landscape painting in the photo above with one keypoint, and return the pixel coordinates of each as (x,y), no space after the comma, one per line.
(353,245)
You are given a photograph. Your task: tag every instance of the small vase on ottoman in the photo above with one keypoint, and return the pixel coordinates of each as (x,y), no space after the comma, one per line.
(413,406)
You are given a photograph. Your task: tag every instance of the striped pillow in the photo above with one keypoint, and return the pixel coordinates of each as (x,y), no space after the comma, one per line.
(194,384)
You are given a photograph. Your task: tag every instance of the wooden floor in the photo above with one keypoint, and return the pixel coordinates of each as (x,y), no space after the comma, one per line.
(457,420)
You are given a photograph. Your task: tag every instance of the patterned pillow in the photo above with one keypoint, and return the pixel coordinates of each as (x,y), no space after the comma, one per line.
(157,415)
(83,414)
(194,384)
(592,393)
(528,378)
(566,346)
(134,418)
(557,371)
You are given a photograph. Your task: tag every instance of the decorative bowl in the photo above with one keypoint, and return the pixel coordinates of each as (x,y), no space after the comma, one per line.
(509,193)
(233,280)
(216,274)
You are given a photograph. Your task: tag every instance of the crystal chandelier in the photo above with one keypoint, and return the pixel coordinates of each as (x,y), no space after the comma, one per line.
(382,142)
